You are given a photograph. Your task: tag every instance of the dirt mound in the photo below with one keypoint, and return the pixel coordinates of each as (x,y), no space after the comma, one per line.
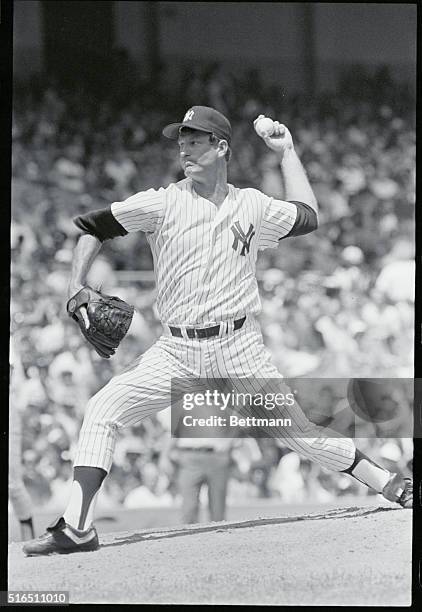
(355,556)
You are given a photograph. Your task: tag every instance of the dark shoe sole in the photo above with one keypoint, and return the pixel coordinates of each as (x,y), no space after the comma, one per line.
(88,547)
(60,552)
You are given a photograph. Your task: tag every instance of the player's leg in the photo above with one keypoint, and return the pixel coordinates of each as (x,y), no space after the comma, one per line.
(217,479)
(191,477)
(18,493)
(126,400)
(334,452)
(243,355)
(143,389)
(243,358)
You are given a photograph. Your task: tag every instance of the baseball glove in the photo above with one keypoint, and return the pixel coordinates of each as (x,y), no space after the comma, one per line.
(103,319)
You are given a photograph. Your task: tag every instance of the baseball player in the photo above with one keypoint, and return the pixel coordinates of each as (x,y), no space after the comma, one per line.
(18,494)
(205,235)
(202,461)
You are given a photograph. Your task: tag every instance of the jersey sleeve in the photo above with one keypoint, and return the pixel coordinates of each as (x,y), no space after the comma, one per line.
(283,219)
(100,223)
(143,211)
(306,220)
(278,219)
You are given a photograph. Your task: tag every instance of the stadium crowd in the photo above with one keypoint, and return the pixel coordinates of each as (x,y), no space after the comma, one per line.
(336,303)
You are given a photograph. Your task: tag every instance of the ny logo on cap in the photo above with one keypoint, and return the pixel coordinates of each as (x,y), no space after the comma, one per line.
(189,115)
(240,236)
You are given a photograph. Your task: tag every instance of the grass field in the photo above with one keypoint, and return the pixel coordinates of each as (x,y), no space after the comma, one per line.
(327,554)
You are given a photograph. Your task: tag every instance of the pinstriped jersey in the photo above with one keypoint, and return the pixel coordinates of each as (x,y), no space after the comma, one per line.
(204,255)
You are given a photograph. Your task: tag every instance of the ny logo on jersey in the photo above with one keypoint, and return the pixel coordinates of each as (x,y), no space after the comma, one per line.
(239,235)
(189,115)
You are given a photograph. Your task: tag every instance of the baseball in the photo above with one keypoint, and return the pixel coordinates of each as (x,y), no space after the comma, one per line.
(264,127)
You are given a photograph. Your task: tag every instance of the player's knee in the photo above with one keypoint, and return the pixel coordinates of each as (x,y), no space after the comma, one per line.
(92,405)
(99,405)
(101,412)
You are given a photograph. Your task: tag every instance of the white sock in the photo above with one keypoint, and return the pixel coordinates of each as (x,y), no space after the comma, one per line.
(371,475)
(72,514)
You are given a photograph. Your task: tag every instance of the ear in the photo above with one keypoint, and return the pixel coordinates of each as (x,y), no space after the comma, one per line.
(222,147)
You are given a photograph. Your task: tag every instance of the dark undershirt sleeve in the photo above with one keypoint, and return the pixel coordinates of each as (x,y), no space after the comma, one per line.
(306,220)
(100,223)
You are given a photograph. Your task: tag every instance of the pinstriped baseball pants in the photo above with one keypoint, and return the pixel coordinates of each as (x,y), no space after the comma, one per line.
(145,388)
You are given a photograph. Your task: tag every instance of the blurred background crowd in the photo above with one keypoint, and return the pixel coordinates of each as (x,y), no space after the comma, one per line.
(336,303)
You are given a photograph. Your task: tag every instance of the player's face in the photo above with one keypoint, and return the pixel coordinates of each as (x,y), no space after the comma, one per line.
(197,152)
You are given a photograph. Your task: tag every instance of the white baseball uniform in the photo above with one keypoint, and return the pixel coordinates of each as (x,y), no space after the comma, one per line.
(205,263)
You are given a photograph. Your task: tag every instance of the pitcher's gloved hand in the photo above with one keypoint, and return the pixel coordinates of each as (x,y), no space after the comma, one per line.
(104,320)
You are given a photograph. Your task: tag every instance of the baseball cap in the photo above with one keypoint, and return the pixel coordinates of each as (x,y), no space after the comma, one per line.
(201,118)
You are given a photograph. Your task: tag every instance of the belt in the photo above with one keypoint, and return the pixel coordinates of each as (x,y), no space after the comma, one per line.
(205,332)
(203,449)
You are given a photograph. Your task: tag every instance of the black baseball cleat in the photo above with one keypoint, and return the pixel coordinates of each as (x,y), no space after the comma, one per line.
(61,539)
(400,490)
